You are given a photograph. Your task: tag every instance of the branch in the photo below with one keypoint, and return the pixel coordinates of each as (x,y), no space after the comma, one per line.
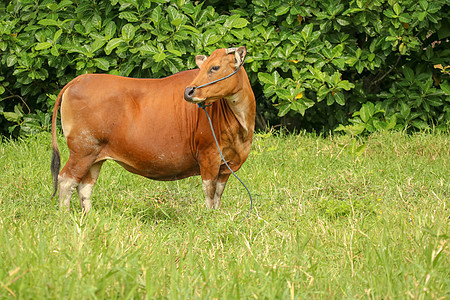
(387,73)
(15,96)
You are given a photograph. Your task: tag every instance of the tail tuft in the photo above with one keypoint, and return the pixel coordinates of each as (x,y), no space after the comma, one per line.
(54,167)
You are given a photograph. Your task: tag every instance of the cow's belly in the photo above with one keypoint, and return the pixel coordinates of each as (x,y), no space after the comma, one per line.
(153,171)
(158,163)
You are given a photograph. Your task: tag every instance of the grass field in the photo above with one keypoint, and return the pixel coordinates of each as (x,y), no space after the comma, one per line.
(333,218)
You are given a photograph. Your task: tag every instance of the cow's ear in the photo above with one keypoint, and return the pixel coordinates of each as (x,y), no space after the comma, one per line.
(199,59)
(240,54)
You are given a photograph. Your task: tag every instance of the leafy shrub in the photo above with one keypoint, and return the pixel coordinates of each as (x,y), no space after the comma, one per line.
(371,62)
(366,65)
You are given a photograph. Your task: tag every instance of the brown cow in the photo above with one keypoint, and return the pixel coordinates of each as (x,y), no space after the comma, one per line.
(147,127)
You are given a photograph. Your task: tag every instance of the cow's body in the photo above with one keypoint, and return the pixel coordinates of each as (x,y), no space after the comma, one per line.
(147,127)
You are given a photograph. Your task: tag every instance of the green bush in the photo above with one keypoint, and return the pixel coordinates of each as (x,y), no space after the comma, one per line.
(356,66)
(364,63)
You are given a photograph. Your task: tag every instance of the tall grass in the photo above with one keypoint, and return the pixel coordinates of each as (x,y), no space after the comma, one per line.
(328,222)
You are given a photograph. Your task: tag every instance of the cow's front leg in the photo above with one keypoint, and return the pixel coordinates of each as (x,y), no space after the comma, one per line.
(209,188)
(209,171)
(220,187)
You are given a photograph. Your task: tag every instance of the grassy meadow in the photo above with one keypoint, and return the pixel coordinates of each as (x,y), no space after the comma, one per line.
(333,218)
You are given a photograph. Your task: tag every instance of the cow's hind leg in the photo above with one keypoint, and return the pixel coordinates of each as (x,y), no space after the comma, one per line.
(86,186)
(70,177)
(67,186)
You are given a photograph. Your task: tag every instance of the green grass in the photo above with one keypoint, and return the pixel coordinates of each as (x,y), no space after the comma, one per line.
(330,221)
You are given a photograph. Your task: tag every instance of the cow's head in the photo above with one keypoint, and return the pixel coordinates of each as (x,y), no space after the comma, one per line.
(221,63)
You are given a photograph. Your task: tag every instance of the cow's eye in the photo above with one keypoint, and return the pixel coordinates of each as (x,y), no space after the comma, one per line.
(215,68)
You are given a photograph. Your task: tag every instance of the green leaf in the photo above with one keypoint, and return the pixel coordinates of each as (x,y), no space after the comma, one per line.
(397,9)
(421,16)
(420,124)
(57,35)
(352,129)
(97,44)
(176,22)
(282,10)
(239,23)
(190,28)
(389,13)
(266,78)
(43,46)
(346,85)
(175,52)
(283,109)
(306,31)
(322,93)
(342,22)
(48,22)
(366,112)
(102,63)
(80,29)
(110,30)
(340,98)
(423,4)
(173,13)
(13,116)
(330,100)
(434,101)
(404,110)
(148,49)
(64,3)
(2,90)
(112,44)
(237,33)
(156,15)
(129,16)
(351,61)
(359,67)
(445,86)
(405,18)
(128,31)
(12,59)
(159,56)
(409,73)
(211,37)
(54,51)
(337,51)
(302,105)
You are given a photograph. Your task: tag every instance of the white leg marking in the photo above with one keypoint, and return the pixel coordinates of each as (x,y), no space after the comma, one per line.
(209,190)
(220,187)
(66,188)
(84,193)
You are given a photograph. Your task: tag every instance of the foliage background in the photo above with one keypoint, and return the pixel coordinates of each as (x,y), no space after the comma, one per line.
(357,66)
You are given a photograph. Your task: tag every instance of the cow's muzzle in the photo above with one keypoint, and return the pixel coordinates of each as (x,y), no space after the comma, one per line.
(189,93)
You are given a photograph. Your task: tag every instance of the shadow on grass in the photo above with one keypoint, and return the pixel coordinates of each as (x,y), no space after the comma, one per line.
(150,209)
(155,214)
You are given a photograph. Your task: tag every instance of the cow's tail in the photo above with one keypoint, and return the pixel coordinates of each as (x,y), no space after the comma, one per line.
(56,157)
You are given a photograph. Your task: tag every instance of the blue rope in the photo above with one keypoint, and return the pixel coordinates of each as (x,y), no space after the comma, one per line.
(203,106)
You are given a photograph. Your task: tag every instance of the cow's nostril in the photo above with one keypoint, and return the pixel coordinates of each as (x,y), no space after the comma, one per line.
(188,93)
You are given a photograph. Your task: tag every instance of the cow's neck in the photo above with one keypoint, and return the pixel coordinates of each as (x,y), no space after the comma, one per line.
(241,107)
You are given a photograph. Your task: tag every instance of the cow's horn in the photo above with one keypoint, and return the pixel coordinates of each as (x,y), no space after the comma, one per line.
(230,50)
